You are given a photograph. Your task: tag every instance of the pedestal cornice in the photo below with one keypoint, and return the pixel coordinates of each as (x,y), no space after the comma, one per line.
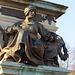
(14,68)
(55,10)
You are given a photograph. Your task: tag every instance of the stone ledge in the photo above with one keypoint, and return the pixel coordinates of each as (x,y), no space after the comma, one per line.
(5,18)
(44,7)
(14,68)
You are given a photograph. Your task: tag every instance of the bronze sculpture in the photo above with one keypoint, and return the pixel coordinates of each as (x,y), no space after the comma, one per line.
(22,44)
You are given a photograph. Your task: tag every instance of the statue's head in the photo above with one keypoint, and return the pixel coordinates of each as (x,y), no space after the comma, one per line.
(30,11)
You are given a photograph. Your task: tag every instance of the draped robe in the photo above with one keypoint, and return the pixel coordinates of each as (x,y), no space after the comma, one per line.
(21,42)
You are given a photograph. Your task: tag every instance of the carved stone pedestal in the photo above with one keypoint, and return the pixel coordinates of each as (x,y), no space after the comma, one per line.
(14,68)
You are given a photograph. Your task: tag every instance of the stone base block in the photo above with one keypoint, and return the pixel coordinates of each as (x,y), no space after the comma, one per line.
(14,68)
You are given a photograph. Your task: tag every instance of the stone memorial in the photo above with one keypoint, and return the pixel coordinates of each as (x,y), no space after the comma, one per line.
(24,53)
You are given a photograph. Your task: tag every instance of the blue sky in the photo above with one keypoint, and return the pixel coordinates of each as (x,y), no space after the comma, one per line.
(66,22)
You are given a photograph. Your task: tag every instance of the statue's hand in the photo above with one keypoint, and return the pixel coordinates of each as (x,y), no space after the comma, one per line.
(8,30)
(64,57)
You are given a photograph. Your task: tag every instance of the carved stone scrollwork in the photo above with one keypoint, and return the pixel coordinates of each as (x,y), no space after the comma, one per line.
(41,18)
(49,18)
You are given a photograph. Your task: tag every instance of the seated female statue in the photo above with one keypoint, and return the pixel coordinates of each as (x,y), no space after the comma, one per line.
(22,43)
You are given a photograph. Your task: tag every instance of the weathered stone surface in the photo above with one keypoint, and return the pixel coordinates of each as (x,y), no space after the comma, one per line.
(13,68)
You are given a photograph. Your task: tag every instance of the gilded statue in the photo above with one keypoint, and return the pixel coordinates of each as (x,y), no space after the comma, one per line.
(21,42)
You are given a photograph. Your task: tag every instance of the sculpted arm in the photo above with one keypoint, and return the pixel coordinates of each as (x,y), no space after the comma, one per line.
(51,36)
(12,29)
(45,34)
(8,31)
(61,45)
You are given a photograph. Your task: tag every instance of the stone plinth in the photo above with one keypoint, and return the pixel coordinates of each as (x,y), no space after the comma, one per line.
(14,68)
